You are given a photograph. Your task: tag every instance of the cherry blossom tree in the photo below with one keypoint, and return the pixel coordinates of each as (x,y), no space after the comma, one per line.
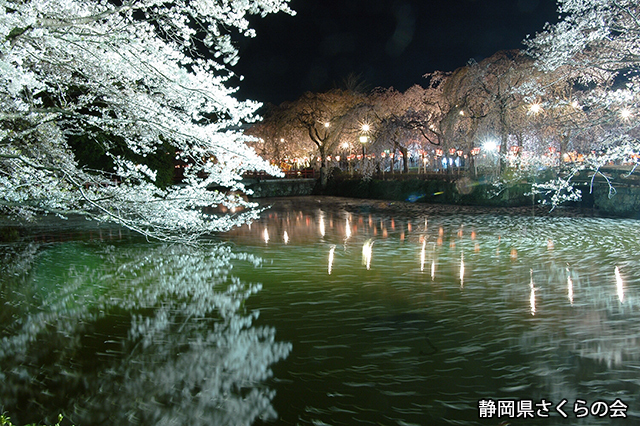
(141,72)
(327,118)
(279,139)
(597,42)
(404,119)
(435,107)
(485,102)
(598,37)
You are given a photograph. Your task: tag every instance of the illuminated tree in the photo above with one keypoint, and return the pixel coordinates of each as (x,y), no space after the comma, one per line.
(557,117)
(131,76)
(327,118)
(405,118)
(435,107)
(485,101)
(597,42)
(279,140)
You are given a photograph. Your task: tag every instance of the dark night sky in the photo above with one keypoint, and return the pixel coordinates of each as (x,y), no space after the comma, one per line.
(387,42)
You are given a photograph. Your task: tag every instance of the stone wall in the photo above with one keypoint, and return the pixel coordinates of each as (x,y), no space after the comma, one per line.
(624,202)
(461,190)
(624,199)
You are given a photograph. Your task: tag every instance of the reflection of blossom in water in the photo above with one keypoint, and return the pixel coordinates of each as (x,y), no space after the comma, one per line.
(461,269)
(619,285)
(321,226)
(569,287)
(154,335)
(532,294)
(347,230)
(367,250)
(331,253)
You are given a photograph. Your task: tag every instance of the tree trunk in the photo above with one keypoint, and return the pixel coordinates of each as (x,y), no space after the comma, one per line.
(324,175)
(405,160)
(504,139)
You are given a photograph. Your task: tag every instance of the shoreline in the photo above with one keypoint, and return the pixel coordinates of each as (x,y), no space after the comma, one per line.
(374,206)
(52,228)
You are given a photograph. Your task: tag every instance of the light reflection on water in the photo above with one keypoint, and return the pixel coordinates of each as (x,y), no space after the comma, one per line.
(510,307)
(401,314)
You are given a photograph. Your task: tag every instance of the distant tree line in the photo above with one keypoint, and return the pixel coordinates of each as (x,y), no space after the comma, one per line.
(567,102)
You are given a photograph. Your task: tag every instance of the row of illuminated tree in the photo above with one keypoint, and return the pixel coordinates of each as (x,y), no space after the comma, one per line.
(505,104)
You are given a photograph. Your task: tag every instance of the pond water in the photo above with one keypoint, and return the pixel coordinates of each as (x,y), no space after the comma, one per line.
(330,312)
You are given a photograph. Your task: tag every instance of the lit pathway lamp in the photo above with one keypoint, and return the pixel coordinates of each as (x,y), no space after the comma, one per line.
(364,138)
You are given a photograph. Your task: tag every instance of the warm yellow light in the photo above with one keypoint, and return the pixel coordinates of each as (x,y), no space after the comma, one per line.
(327,124)
(363,139)
(365,127)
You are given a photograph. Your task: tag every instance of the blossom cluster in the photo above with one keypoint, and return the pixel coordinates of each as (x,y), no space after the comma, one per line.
(143,72)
